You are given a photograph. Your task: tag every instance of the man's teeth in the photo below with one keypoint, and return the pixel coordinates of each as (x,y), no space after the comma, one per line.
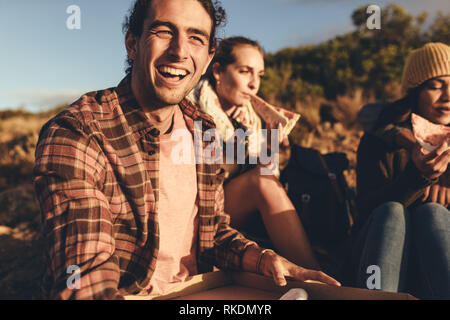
(173,72)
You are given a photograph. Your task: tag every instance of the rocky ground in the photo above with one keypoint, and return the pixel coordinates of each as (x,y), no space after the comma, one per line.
(21,244)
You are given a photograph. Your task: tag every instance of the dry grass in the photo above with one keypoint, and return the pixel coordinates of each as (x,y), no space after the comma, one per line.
(20,126)
(346,107)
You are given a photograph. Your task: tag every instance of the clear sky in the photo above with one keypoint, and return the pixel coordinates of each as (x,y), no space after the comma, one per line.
(43,63)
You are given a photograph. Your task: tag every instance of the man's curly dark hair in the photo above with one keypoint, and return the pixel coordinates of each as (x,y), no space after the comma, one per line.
(134,22)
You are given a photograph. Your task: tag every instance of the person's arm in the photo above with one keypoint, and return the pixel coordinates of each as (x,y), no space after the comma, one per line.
(77,222)
(404,137)
(394,135)
(381,177)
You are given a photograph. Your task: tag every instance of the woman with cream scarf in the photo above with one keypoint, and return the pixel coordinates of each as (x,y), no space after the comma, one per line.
(228,95)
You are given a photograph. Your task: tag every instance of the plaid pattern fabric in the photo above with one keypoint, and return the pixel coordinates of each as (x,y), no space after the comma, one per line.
(96,178)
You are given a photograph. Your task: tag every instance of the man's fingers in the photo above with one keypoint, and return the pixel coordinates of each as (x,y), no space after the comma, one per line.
(308,275)
(321,277)
(280,268)
(279,273)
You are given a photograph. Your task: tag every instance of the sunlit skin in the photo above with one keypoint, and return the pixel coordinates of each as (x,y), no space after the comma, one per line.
(238,81)
(434,100)
(241,79)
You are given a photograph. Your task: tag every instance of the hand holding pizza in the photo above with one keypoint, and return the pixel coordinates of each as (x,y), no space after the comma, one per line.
(431,153)
(242,115)
(432,164)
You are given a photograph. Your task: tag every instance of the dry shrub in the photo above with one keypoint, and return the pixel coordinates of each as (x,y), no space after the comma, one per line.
(346,107)
(20,126)
(309,109)
(17,160)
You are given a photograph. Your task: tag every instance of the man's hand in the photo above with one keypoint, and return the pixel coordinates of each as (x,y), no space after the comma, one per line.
(279,268)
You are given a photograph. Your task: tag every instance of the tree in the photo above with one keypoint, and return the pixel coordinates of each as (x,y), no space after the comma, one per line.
(371,60)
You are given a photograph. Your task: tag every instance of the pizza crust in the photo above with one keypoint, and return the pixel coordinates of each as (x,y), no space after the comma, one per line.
(271,114)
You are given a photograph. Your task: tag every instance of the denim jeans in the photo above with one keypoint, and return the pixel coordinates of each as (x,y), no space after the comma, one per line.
(410,247)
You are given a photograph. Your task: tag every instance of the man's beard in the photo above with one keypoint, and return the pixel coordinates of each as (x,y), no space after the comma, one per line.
(163,96)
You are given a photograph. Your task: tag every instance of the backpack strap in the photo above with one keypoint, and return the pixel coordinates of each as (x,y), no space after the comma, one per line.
(343,199)
(333,179)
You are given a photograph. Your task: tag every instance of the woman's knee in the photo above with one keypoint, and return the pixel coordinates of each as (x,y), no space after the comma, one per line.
(261,183)
(391,214)
(431,214)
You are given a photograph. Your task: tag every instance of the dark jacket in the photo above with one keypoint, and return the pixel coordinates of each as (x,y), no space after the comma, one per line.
(386,173)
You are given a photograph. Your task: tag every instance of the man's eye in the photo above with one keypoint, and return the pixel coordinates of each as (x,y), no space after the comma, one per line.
(198,40)
(163,34)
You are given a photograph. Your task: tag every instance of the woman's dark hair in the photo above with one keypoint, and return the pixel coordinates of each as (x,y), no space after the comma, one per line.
(399,111)
(224,54)
(134,21)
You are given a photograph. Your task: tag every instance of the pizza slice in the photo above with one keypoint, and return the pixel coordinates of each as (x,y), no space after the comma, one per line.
(429,135)
(271,114)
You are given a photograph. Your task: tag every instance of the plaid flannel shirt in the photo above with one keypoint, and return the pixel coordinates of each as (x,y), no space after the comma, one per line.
(96,178)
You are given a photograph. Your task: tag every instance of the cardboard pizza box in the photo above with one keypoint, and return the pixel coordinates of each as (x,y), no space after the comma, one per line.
(220,285)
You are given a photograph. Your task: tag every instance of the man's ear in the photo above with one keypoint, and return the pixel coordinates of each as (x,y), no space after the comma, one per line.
(210,57)
(131,44)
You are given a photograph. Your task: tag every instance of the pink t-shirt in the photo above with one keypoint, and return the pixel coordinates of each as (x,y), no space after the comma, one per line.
(177,211)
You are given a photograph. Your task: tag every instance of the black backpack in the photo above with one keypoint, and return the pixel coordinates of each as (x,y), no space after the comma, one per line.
(317,187)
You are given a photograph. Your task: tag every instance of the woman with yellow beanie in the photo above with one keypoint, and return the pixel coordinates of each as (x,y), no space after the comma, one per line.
(403,197)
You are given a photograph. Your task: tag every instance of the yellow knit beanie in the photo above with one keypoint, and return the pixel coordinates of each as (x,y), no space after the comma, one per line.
(430,61)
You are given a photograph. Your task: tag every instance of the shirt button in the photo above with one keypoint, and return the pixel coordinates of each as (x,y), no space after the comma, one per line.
(155,132)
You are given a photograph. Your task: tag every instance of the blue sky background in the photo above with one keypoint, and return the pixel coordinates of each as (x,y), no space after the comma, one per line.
(42,63)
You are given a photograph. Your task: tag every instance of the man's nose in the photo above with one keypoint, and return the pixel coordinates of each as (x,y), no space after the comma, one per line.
(178,48)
